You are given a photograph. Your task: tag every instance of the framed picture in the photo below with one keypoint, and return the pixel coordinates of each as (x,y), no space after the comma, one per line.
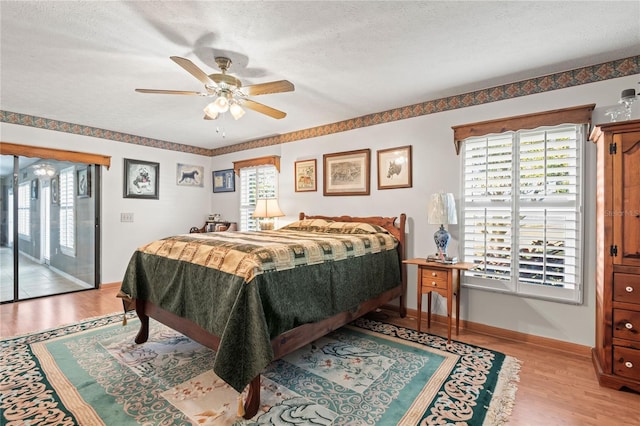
(305,176)
(55,189)
(141,179)
(347,173)
(189,175)
(83,177)
(395,168)
(34,189)
(224,181)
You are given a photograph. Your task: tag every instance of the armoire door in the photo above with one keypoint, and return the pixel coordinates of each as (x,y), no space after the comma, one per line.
(626,198)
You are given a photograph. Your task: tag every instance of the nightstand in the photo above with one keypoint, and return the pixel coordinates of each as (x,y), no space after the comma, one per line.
(441,278)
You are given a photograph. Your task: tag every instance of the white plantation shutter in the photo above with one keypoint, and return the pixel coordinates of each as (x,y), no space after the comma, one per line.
(24,210)
(67,211)
(523,211)
(255,182)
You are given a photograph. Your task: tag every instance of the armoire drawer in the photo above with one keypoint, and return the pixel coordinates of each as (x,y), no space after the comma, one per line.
(626,324)
(626,362)
(626,288)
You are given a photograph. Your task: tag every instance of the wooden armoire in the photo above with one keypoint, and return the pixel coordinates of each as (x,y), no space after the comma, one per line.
(616,356)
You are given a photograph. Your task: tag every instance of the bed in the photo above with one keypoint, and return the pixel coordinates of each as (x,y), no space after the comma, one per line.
(257,296)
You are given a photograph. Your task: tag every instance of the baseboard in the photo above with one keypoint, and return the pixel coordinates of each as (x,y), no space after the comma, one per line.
(573,348)
(117,283)
(517,336)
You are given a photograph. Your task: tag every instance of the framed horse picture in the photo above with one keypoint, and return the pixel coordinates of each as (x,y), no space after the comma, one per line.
(395,168)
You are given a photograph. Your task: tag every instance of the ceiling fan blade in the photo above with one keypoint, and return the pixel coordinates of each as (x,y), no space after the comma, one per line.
(271,112)
(207,117)
(193,69)
(171,92)
(266,88)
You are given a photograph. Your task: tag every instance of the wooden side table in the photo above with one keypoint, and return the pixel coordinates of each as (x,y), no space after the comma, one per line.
(441,278)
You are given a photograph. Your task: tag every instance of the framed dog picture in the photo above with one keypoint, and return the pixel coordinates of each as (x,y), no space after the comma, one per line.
(187,175)
(141,179)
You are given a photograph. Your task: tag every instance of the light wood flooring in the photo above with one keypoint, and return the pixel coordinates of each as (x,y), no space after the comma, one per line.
(556,388)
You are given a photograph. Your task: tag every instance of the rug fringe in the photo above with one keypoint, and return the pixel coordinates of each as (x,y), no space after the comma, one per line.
(64,325)
(500,408)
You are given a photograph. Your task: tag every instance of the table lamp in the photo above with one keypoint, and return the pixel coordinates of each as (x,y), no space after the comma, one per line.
(266,210)
(442,210)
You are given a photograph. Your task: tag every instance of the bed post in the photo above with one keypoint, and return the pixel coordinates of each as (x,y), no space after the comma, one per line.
(143,333)
(402,256)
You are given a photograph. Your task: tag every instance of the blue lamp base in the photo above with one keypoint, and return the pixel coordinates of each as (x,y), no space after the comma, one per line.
(442,237)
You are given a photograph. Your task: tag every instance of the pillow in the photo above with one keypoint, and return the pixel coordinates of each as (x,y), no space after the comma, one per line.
(354,228)
(307,225)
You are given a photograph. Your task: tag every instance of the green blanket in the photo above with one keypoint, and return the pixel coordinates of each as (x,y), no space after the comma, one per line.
(249,287)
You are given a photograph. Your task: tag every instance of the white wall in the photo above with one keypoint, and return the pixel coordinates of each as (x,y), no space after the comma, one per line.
(177,209)
(436,167)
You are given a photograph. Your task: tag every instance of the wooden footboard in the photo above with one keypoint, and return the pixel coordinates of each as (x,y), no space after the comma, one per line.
(297,337)
(282,345)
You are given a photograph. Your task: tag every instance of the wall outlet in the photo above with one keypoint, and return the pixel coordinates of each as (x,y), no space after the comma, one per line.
(126,217)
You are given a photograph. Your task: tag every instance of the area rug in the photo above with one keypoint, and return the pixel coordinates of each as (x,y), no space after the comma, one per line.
(367,373)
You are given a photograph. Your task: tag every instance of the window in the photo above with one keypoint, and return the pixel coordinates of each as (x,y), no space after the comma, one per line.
(24,210)
(255,182)
(67,212)
(522,211)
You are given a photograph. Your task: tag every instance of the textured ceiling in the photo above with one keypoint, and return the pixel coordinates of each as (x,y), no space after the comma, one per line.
(80,62)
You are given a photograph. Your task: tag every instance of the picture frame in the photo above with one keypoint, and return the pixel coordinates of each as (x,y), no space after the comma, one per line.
(187,175)
(83,185)
(224,181)
(395,168)
(55,189)
(347,173)
(34,189)
(141,179)
(306,179)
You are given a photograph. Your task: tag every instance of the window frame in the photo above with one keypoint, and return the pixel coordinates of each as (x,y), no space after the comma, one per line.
(513,284)
(248,201)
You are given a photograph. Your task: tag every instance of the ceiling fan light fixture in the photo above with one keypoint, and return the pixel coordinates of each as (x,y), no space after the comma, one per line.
(211,110)
(44,170)
(236,110)
(221,104)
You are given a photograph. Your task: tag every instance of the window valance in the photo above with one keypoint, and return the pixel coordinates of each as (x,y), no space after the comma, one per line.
(574,115)
(273,160)
(7,148)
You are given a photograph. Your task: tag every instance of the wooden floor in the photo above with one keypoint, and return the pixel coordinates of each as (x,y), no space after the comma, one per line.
(556,387)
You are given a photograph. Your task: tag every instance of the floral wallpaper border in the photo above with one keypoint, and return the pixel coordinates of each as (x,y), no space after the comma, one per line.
(561,80)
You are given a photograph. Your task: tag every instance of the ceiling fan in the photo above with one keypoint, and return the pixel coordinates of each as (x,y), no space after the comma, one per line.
(227,90)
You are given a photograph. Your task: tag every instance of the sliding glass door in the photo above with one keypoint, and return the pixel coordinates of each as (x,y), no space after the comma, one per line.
(49,234)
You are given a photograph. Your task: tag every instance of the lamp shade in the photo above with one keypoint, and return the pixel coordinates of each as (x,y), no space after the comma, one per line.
(267,207)
(442,209)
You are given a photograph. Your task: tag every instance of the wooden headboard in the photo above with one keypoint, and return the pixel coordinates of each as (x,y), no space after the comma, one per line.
(388,223)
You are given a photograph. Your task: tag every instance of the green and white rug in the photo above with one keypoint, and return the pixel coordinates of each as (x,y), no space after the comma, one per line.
(368,373)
